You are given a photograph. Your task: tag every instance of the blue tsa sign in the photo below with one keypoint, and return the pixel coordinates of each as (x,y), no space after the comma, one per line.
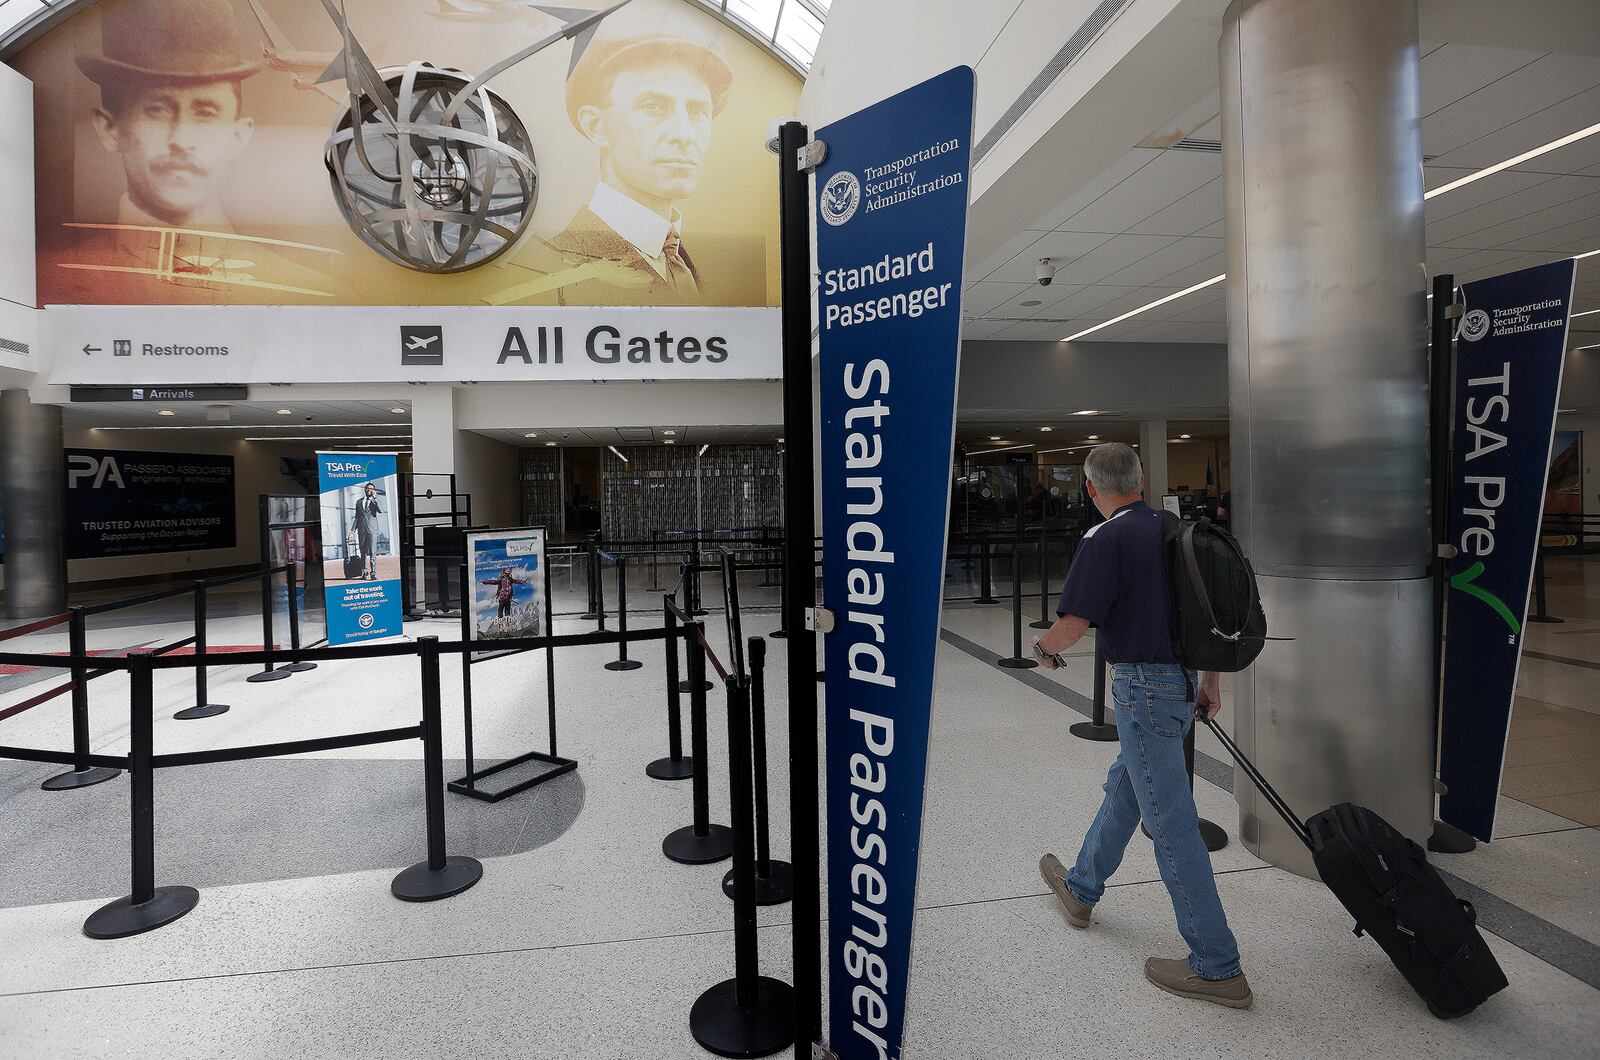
(891,234)
(360,545)
(1509,354)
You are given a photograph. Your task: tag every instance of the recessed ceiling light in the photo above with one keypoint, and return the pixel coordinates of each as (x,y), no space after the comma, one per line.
(550,443)
(1202,285)
(1094,437)
(1516,160)
(1586,312)
(670,441)
(1185,437)
(780,439)
(166,412)
(531,434)
(994,437)
(398,411)
(1087,412)
(1596,346)
(286,412)
(669,434)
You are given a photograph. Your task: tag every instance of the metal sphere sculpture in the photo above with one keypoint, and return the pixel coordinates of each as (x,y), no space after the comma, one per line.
(442,181)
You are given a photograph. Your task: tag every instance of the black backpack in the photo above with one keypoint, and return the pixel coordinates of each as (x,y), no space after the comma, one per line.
(1217,621)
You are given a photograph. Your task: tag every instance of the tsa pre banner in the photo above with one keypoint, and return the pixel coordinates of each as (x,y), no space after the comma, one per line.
(360,545)
(1509,353)
(891,234)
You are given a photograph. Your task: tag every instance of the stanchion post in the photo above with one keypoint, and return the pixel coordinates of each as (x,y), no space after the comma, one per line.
(774,879)
(147,906)
(593,578)
(82,774)
(695,606)
(622,662)
(702,842)
(674,766)
(782,632)
(202,708)
(750,1014)
(1540,614)
(655,555)
(1044,621)
(985,575)
(1018,661)
(1096,729)
(441,875)
(267,646)
(291,578)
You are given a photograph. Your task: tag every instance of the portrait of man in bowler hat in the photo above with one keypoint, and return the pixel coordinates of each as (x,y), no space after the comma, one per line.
(171,106)
(645,93)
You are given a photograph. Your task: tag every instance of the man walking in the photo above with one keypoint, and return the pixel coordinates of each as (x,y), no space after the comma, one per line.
(1118,584)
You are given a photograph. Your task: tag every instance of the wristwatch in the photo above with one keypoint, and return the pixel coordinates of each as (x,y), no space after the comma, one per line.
(1057,658)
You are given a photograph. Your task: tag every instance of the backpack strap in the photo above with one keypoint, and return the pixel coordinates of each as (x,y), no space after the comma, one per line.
(1192,566)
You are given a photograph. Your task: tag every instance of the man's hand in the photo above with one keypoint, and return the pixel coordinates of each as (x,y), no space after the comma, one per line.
(1208,697)
(1046,660)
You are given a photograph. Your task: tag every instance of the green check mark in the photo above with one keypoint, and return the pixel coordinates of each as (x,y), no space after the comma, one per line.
(1464,582)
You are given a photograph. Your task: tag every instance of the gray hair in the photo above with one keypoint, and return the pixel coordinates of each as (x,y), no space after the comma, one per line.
(1114,469)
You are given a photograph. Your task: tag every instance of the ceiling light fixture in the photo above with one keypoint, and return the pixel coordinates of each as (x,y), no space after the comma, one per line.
(286,412)
(1595,346)
(620,457)
(255,426)
(703,449)
(1185,437)
(1005,449)
(406,438)
(550,444)
(1440,190)
(1586,312)
(1585,254)
(398,411)
(994,437)
(531,434)
(669,441)
(1087,412)
(1094,437)
(1047,430)
(1488,171)
(669,434)
(166,412)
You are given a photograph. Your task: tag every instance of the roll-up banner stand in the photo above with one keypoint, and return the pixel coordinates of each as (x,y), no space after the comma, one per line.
(1509,351)
(360,500)
(891,235)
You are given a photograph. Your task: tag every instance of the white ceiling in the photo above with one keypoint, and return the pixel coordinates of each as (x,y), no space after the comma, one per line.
(1151,225)
(247,418)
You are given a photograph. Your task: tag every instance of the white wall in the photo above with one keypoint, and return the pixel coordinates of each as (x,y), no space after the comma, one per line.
(18,311)
(486,470)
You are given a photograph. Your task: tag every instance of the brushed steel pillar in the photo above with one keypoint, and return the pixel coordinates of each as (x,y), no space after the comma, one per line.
(32,492)
(1327,376)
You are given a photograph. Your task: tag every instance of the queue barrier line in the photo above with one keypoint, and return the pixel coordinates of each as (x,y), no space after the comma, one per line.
(286,747)
(67,758)
(35,626)
(18,708)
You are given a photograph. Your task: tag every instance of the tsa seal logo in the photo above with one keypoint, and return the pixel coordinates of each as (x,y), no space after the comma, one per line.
(366,620)
(1475,325)
(840,197)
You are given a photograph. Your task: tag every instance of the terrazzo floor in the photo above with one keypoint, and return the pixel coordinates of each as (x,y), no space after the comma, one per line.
(592,945)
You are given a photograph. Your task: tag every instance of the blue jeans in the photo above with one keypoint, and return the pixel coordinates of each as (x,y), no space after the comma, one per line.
(1148,781)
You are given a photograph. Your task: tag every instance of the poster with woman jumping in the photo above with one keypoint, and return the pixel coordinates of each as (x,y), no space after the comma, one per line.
(508,587)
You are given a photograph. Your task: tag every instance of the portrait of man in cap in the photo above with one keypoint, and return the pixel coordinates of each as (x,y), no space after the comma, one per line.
(171,107)
(645,93)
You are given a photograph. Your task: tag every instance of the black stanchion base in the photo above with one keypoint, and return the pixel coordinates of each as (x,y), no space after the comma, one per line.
(269,675)
(1040,624)
(201,710)
(1213,834)
(696,612)
(592,616)
(775,888)
(420,883)
(124,917)
(718,1023)
(1088,730)
(1545,618)
(1448,839)
(670,769)
(624,664)
(985,600)
(298,668)
(822,675)
(687,685)
(778,634)
(1019,663)
(686,848)
(80,778)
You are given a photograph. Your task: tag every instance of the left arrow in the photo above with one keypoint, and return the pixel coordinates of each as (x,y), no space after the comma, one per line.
(90,349)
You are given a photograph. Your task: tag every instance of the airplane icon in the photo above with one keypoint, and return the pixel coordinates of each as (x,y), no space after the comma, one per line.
(419,343)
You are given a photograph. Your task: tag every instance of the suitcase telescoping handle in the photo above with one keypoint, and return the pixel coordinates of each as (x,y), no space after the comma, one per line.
(1260,782)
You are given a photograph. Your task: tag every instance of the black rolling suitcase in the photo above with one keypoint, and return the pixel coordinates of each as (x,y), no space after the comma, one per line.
(1386,883)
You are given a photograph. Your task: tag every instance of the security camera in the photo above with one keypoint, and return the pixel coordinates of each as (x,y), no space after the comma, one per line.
(1045,273)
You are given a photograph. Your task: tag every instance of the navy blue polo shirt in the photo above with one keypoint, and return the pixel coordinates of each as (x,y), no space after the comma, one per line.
(1118,581)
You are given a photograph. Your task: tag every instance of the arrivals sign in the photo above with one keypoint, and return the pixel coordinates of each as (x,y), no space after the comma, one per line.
(126,503)
(159,345)
(891,234)
(1509,351)
(360,502)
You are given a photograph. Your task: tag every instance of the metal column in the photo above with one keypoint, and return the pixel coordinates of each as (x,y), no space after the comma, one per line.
(33,485)
(1328,385)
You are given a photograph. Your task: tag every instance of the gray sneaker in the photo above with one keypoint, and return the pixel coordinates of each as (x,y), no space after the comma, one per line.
(1055,875)
(1176,977)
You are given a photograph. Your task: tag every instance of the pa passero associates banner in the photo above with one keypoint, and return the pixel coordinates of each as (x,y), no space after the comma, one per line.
(1509,352)
(891,236)
(125,503)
